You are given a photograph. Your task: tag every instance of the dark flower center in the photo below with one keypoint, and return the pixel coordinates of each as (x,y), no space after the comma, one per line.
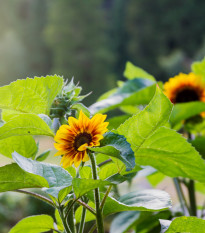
(81,139)
(186,95)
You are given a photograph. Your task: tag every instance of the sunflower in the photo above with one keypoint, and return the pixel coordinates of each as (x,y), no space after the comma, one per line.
(72,140)
(185,88)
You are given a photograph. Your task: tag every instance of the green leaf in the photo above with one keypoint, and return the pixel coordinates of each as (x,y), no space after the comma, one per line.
(79,107)
(107,171)
(12,177)
(115,122)
(133,92)
(59,221)
(160,147)
(34,224)
(171,154)
(198,67)
(155,178)
(115,145)
(31,95)
(199,144)
(71,171)
(187,224)
(24,145)
(184,111)
(42,156)
(124,221)
(132,71)
(82,186)
(85,172)
(144,200)
(57,177)
(25,124)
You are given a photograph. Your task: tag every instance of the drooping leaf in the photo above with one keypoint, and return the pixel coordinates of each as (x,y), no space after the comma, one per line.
(116,146)
(133,92)
(187,224)
(34,224)
(24,145)
(83,186)
(161,147)
(31,95)
(57,177)
(183,111)
(25,124)
(12,177)
(132,71)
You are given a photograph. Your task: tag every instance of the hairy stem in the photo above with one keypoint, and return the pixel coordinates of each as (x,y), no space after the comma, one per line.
(82,221)
(105,197)
(192,198)
(99,217)
(87,206)
(36,195)
(66,227)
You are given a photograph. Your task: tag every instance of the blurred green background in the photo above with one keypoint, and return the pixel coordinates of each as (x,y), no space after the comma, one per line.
(92,40)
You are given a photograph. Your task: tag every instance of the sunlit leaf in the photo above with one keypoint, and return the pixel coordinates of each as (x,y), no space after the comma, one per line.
(34,224)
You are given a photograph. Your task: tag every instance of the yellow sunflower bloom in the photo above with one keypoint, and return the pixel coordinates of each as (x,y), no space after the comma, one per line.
(185,88)
(72,140)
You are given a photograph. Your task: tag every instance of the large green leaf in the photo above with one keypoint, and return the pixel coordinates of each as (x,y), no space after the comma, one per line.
(83,186)
(184,111)
(24,145)
(133,92)
(132,71)
(31,95)
(187,224)
(137,128)
(145,200)
(13,177)
(115,145)
(161,147)
(25,124)
(34,224)
(57,177)
(199,145)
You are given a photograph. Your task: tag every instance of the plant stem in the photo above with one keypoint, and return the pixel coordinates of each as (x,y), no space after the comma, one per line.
(105,197)
(192,198)
(70,220)
(180,195)
(87,206)
(82,221)
(92,229)
(36,195)
(66,227)
(99,217)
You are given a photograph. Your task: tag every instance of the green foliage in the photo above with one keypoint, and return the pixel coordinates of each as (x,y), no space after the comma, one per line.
(34,224)
(132,92)
(24,145)
(187,224)
(132,72)
(12,177)
(161,147)
(198,67)
(31,95)
(116,146)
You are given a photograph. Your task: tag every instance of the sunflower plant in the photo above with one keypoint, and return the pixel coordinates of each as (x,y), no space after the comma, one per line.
(98,153)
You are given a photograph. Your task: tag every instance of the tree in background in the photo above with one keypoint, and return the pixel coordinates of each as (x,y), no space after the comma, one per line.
(164,33)
(23,51)
(76,33)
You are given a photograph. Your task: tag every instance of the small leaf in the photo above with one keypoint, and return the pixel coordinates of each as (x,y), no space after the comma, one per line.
(59,221)
(155,178)
(115,145)
(24,145)
(199,144)
(132,71)
(12,177)
(42,156)
(31,95)
(82,186)
(187,224)
(25,124)
(34,224)
(57,177)
(85,172)
(198,67)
